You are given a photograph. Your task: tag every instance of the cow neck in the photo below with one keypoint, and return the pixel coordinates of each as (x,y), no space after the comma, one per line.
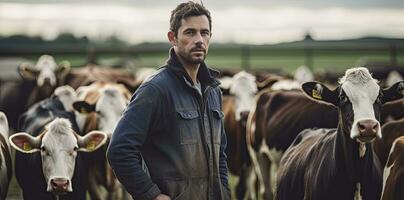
(346,154)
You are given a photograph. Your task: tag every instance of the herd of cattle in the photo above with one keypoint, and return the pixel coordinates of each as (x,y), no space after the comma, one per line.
(288,137)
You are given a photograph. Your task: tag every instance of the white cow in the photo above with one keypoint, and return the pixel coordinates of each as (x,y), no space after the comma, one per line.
(58,144)
(45,71)
(243,86)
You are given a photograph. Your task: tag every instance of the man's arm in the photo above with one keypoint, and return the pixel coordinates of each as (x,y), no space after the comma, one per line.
(130,133)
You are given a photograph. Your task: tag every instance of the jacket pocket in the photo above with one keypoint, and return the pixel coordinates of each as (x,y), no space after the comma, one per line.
(188,126)
(217,124)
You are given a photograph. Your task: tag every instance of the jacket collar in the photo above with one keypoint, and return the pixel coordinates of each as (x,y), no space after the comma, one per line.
(205,75)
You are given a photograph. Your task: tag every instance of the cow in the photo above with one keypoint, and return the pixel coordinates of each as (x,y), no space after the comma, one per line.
(339,163)
(92,73)
(99,106)
(273,124)
(393,175)
(5,158)
(50,157)
(241,88)
(38,82)
(391,131)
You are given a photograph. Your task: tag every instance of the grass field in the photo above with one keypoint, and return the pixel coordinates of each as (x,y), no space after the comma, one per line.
(286,61)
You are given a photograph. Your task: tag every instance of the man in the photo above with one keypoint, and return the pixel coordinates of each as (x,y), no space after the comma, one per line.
(173,124)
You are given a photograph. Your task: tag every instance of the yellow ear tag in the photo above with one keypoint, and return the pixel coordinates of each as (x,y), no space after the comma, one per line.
(26,146)
(90,146)
(82,110)
(316,95)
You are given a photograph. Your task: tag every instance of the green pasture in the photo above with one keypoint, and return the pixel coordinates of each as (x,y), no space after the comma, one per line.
(286,61)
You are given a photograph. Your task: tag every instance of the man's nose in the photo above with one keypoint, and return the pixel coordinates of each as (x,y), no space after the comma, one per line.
(198,38)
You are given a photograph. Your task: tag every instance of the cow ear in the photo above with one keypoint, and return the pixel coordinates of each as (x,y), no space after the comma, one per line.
(394,92)
(91,141)
(25,143)
(225,84)
(27,71)
(320,92)
(83,107)
(64,69)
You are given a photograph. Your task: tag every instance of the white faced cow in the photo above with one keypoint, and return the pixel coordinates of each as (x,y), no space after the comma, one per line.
(45,71)
(58,145)
(339,163)
(243,87)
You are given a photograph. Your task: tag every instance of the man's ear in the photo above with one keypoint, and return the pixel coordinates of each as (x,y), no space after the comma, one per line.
(320,92)
(172,38)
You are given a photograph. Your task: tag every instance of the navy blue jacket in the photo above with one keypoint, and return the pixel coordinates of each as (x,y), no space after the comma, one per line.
(171,139)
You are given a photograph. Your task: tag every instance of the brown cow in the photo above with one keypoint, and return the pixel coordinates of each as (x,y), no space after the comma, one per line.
(391,131)
(273,125)
(92,73)
(100,107)
(393,176)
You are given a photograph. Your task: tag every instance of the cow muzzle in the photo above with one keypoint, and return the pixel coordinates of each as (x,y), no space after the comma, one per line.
(368,130)
(60,185)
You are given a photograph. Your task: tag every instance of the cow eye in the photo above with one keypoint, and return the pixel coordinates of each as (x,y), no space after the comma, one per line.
(43,148)
(76,148)
(343,99)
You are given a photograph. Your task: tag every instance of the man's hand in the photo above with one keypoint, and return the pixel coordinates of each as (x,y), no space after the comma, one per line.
(162,197)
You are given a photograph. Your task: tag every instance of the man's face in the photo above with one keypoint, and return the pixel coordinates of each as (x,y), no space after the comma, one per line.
(192,40)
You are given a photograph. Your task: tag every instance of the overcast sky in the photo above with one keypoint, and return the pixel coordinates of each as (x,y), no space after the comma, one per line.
(242,21)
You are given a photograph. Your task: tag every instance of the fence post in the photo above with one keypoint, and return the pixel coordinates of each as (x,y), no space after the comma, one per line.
(393,55)
(308,58)
(245,57)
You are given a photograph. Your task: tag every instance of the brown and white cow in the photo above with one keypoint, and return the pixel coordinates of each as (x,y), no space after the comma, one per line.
(99,107)
(58,145)
(339,163)
(391,131)
(393,176)
(273,124)
(5,158)
(38,82)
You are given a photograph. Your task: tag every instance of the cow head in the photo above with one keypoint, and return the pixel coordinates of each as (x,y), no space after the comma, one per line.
(46,72)
(58,145)
(101,106)
(359,99)
(243,87)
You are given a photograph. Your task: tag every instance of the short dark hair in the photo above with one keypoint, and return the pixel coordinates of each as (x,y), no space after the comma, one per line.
(185,10)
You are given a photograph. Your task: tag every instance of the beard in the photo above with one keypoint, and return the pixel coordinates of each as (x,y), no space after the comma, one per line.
(187,56)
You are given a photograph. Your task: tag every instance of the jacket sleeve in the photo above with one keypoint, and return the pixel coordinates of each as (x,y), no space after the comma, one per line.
(223,170)
(129,135)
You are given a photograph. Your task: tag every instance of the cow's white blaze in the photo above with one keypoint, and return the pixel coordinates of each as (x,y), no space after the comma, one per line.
(362,91)
(46,67)
(243,87)
(58,152)
(110,106)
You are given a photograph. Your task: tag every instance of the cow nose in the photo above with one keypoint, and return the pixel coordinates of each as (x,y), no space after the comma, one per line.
(244,114)
(47,80)
(368,128)
(60,184)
